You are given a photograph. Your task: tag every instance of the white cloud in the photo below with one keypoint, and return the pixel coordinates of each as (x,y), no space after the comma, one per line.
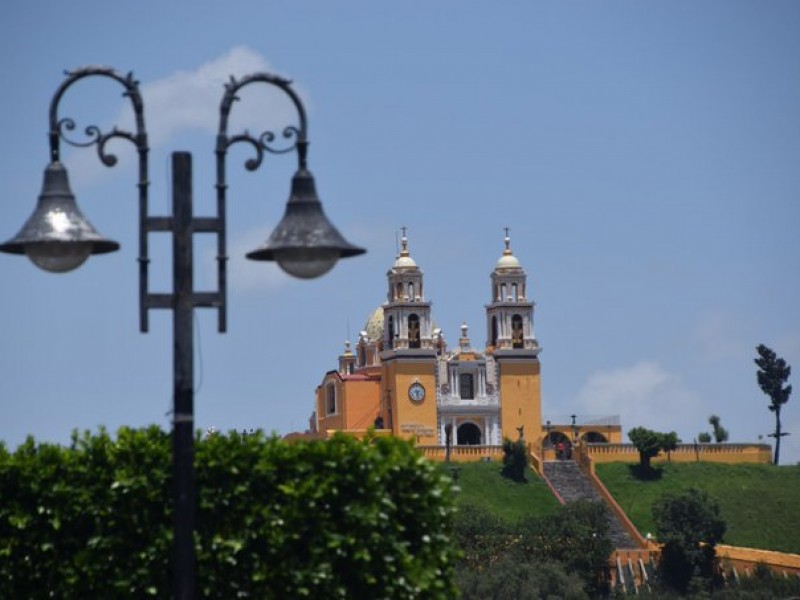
(189,101)
(644,394)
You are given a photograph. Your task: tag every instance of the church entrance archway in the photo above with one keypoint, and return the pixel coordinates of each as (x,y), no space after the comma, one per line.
(468,434)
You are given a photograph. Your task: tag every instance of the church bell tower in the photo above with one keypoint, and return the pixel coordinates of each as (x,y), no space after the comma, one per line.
(408,358)
(512,343)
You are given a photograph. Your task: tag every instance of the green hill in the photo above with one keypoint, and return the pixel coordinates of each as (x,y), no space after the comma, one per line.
(481,484)
(759,502)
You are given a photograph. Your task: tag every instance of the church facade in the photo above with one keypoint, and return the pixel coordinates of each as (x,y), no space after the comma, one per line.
(401,377)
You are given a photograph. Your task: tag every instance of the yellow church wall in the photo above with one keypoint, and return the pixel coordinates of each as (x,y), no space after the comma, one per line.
(324,420)
(357,403)
(361,403)
(411,419)
(720,453)
(521,401)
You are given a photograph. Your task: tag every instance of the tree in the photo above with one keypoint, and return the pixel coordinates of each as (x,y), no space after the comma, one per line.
(515,459)
(669,442)
(689,526)
(720,433)
(704,437)
(511,578)
(773,372)
(339,518)
(648,443)
(561,555)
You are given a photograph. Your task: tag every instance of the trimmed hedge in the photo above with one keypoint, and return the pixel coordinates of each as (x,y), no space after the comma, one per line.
(341,518)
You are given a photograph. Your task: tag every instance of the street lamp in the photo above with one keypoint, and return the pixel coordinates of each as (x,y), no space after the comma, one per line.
(58,238)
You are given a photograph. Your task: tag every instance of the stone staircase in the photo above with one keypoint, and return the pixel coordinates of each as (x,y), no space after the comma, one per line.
(572,484)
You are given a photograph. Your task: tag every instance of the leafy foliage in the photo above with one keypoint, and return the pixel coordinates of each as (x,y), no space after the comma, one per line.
(520,580)
(689,526)
(337,519)
(515,459)
(720,433)
(574,540)
(773,373)
(649,443)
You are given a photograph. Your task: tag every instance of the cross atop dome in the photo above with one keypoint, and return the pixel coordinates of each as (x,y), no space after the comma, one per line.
(508,260)
(404,260)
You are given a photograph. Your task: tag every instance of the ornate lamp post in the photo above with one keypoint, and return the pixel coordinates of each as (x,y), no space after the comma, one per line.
(58,238)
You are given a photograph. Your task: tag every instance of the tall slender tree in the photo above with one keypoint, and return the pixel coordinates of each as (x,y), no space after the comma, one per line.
(773,372)
(720,433)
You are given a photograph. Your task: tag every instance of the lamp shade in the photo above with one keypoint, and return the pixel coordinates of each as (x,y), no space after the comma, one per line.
(57,237)
(305,244)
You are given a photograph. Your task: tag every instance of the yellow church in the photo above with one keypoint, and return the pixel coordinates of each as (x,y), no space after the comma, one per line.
(402,379)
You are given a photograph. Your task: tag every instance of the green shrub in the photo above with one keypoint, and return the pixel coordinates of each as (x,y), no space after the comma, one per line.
(342,518)
(515,459)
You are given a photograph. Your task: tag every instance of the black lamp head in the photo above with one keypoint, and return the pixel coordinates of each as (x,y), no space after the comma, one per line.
(57,237)
(305,243)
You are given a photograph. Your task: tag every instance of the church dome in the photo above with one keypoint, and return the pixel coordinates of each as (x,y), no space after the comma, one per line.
(508,260)
(404,261)
(374,325)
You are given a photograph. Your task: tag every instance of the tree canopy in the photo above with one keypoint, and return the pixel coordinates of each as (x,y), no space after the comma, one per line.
(689,526)
(773,373)
(341,518)
(649,443)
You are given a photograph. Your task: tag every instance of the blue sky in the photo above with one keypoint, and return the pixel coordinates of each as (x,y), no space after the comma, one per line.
(646,156)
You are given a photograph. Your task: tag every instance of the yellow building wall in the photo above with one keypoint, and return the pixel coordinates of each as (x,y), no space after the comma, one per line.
(361,403)
(408,418)
(324,420)
(721,453)
(520,399)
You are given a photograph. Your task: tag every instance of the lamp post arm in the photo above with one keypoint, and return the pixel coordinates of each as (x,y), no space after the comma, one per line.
(59,127)
(263,141)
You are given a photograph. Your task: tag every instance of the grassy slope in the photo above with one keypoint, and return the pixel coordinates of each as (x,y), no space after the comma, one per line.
(481,484)
(760,503)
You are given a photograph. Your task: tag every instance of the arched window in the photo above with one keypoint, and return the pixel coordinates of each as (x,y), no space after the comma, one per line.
(494,331)
(503,296)
(413,332)
(390,332)
(362,357)
(514,296)
(411,291)
(331,400)
(516,331)
(398,294)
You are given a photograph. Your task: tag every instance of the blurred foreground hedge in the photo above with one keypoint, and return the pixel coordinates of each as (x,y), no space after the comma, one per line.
(337,519)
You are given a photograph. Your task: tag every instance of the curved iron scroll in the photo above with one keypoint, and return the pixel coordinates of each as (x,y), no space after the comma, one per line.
(263,142)
(59,127)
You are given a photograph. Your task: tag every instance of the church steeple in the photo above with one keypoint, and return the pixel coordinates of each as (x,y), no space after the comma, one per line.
(406,313)
(347,360)
(509,317)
